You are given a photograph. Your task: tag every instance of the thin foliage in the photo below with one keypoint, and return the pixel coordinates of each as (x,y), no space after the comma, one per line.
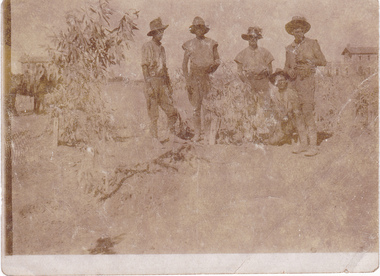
(346,101)
(240,122)
(82,55)
(232,102)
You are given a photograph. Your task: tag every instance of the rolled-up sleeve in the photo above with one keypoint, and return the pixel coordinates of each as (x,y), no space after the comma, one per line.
(186,46)
(239,58)
(268,58)
(146,55)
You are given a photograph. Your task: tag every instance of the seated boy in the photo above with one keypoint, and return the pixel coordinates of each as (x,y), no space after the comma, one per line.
(287,112)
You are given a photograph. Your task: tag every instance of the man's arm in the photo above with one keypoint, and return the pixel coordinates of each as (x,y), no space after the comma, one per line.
(185,66)
(145,61)
(316,57)
(239,62)
(241,74)
(320,59)
(268,60)
(270,68)
(216,59)
(168,82)
(290,64)
(145,72)
(216,54)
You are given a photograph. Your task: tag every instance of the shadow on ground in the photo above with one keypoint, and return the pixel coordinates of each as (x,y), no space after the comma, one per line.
(321,136)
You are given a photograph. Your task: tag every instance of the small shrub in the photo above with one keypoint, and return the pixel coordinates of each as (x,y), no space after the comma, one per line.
(81,57)
(231,101)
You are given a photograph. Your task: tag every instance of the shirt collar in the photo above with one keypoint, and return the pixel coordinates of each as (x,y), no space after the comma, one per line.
(253,50)
(158,43)
(294,44)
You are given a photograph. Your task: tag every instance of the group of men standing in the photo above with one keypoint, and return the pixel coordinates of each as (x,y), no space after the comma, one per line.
(295,83)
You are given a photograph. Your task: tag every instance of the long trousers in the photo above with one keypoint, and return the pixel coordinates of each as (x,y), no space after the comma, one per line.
(157,94)
(305,88)
(197,90)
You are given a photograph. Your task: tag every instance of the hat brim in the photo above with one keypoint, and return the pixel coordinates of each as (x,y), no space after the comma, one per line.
(272,78)
(152,32)
(194,27)
(294,24)
(249,36)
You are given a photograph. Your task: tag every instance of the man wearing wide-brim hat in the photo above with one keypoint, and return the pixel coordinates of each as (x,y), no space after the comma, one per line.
(254,65)
(158,91)
(303,56)
(202,54)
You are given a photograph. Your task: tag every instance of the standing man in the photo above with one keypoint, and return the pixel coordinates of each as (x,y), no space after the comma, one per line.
(254,66)
(303,56)
(202,52)
(158,90)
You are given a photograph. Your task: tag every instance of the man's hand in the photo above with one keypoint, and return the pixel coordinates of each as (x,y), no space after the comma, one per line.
(264,72)
(304,67)
(169,84)
(292,73)
(188,85)
(300,59)
(148,86)
(304,61)
(213,67)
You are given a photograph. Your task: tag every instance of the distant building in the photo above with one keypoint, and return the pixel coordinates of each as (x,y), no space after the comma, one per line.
(356,61)
(31,64)
(361,60)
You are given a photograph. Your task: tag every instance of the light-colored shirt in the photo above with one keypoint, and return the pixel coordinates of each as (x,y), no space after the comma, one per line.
(200,52)
(308,50)
(154,57)
(254,60)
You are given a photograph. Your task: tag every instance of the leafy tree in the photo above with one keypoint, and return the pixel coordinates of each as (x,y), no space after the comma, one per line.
(81,57)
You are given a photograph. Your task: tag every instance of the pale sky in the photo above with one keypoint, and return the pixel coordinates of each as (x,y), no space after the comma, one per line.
(334,23)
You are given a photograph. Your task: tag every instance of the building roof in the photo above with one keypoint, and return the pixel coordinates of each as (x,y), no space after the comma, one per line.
(361,50)
(35,59)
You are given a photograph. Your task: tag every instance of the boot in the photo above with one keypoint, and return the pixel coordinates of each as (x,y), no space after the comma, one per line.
(313,149)
(197,128)
(302,147)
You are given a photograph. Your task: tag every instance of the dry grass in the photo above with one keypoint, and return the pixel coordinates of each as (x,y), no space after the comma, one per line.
(341,102)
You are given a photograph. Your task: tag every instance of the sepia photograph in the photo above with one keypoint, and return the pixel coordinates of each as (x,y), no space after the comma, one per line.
(187,137)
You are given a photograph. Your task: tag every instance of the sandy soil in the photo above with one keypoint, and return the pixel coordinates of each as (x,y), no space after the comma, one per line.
(191,198)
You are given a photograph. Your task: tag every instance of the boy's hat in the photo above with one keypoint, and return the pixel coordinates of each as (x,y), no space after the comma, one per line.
(252,32)
(198,22)
(156,25)
(297,22)
(272,78)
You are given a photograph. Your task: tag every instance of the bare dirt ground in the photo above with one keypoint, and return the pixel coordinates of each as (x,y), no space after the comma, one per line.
(191,198)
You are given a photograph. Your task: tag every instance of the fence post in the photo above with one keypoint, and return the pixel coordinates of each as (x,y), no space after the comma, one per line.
(214,127)
(55,132)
